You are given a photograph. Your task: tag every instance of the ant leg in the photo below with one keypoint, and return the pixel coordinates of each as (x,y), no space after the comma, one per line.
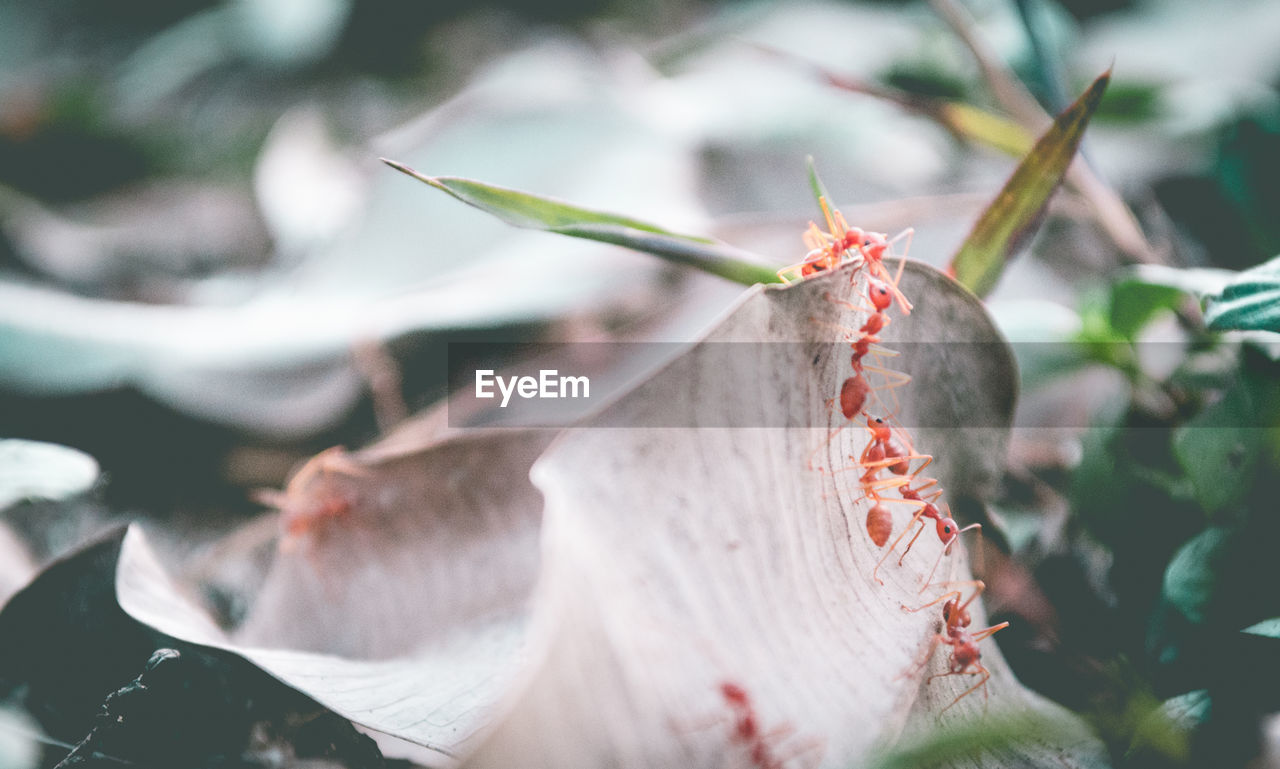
(799,747)
(914,520)
(917,667)
(892,483)
(956,594)
(826,214)
(981,634)
(849,305)
(946,550)
(912,543)
(879,464)
(778,733)
(909,233)
(790,273)
(978,585)
(850,333)
(982,671)
(892,380)
(825,444)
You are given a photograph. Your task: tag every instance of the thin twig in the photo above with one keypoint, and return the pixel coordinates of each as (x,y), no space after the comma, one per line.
(1109,209)
(1008,91)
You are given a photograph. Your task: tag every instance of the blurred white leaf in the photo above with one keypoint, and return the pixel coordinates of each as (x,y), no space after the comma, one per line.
(289,32)
(33,470)
(19,740)
(162,230)
(273,357)
(307,188)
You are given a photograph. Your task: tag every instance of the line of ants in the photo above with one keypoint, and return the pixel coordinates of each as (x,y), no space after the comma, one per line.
(887,464)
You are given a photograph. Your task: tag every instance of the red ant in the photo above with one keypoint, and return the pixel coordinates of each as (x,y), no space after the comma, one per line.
(855,389)
(966,657)
(884,451)
(761,746)
(314,494)
(827,250)
(945,526)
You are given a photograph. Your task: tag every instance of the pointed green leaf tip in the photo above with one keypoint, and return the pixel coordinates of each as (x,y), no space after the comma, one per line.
(528,211)
(1016,212)
(1249,301)
(819,189)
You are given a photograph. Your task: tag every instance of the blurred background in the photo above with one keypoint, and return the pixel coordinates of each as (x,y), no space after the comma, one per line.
(206,275)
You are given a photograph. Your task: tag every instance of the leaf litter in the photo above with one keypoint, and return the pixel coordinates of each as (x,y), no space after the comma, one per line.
(440,600)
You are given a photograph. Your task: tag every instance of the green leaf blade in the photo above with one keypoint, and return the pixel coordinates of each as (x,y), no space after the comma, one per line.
(1268,628)
(819,189)
(985,127)
(535,212)
(1248,302)
(1016,211)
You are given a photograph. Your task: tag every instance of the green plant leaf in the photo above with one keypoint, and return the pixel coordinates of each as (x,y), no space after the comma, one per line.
(989,128)
(1248,302)
(1219,448)
(1134,303)
(528,211)
(1192,575)
(995,739)
(1200,282)
(820,193)
(1268,628)
(1016,211)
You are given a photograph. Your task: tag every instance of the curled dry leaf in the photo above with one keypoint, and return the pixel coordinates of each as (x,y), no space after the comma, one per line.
(676,562)
(682,574)
(398,597)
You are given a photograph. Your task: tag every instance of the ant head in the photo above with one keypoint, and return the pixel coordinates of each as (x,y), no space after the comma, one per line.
(733,693)
(874,245)
(853,237)
(879,294)
(880,430)
(947,528)
(953,615)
